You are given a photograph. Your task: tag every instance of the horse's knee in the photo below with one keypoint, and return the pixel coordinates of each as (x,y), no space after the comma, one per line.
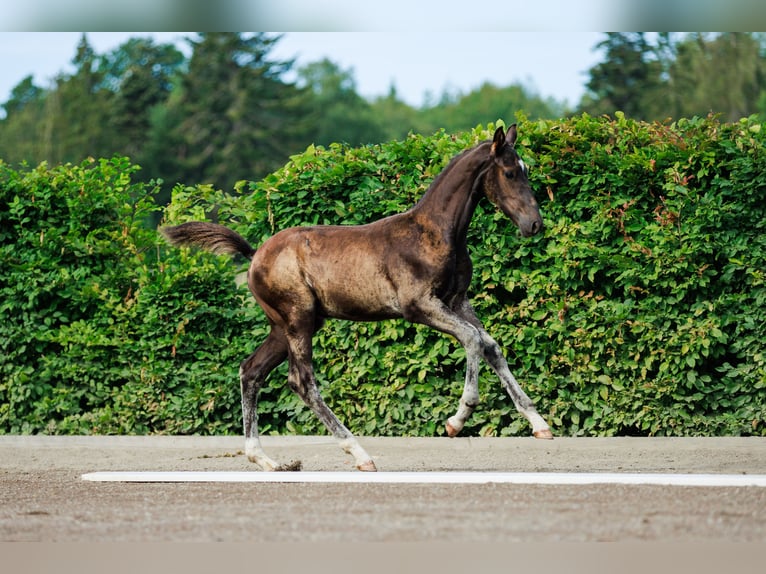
(493,353)
(490,350)
(257,367)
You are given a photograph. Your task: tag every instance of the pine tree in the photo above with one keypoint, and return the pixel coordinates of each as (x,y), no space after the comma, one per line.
(723,74)
(21,129)
(339,113)
(234,118)
(77,112)
(627,79)
(140,74)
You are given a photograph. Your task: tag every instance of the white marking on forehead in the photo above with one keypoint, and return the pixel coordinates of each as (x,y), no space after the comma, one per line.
(523,166)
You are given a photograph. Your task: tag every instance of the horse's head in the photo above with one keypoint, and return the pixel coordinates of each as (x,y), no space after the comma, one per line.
(506,184)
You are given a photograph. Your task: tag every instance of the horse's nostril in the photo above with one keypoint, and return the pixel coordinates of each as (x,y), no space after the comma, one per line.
(537,226)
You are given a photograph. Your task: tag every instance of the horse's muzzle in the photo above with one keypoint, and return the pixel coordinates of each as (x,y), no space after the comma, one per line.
(531,226)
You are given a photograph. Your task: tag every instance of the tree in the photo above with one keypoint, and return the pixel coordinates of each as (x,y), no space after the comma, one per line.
(723,74)
(76,123)
(21,128)
(140,74)
(102,109)
(339,113)
(25,93)
(234,117)
(395,117)
(627,79)
(673,78)
(485,104)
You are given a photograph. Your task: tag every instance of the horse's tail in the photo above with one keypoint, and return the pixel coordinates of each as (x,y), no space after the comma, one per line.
(208,236)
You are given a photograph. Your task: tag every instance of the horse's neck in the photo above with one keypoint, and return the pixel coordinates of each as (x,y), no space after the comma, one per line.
(450,201)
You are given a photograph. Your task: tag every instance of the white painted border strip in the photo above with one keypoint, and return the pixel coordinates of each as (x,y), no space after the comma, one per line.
(548,478)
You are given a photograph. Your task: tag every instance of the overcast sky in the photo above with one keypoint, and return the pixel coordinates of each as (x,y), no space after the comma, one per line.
(553,64)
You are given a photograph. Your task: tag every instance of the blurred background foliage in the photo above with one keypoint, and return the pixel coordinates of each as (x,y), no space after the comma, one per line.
(227,112)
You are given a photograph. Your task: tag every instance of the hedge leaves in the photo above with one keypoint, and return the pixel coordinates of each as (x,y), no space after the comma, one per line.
(641,309)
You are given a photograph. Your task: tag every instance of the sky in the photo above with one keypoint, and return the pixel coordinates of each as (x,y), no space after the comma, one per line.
(551,64)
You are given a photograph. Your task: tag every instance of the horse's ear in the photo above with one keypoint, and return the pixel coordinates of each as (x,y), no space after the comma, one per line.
(498,141)
(510,137)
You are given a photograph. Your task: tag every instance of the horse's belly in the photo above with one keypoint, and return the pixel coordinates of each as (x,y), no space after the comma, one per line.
(358,299)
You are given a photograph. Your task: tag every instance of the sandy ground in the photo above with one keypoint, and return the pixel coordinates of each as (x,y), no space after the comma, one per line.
(44,499)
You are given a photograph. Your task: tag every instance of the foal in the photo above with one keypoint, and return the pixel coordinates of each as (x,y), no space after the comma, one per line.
(412,265)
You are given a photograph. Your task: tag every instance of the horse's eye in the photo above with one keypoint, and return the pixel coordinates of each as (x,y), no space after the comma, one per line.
(509,174)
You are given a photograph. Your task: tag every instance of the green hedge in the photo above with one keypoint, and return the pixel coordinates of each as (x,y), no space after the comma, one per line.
(641,310)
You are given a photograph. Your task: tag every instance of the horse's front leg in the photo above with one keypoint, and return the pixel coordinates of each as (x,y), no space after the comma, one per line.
(469,400)
(494,356)
(492,353)
(462,323)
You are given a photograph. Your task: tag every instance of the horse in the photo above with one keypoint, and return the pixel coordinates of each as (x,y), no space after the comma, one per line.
(413,265)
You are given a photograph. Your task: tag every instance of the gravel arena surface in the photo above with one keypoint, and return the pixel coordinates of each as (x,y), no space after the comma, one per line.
(44,499)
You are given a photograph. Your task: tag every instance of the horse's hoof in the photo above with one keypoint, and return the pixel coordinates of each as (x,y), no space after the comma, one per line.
(543,434)
(293,466)
(368,466)
(452,432)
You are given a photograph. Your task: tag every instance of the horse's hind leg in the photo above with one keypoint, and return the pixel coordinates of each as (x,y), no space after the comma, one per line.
(252,374)
(302,380)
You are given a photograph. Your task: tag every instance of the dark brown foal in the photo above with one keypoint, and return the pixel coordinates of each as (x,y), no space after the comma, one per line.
(413,265)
